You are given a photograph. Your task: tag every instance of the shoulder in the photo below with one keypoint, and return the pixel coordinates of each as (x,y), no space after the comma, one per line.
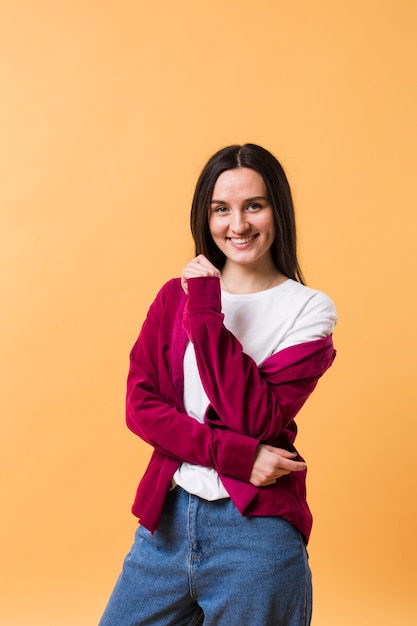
(171,287)
(170,290)
(167,298)
(310,314)
(309,301)
(163,309)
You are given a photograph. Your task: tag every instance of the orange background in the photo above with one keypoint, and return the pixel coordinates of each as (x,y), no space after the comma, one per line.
(108,111)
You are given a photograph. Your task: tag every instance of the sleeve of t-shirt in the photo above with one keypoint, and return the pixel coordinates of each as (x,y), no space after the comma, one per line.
(316,319)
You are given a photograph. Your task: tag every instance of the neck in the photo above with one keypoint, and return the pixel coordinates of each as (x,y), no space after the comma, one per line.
(244,279)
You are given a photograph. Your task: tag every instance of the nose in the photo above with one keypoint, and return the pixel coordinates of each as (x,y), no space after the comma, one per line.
(238,222)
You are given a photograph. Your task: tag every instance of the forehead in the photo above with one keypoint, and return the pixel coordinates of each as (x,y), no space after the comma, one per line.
(241,182)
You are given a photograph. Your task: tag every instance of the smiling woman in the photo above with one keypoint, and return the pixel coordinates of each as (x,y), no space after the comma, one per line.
(241,223)
(243,180)
(222,506)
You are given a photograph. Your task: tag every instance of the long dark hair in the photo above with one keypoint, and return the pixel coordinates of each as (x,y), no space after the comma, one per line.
(284,247)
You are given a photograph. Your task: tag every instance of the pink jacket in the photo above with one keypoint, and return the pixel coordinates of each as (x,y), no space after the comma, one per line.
(248,404)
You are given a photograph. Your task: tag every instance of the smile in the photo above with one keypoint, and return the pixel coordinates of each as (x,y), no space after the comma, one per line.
(242,240)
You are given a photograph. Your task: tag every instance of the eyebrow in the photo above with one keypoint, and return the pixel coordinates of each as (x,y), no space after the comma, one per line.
(247,200)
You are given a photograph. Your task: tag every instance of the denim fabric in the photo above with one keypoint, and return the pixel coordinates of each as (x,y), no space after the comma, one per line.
(209,565)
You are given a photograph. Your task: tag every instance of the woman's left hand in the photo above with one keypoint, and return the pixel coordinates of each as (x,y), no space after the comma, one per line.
(198,268)
(272,463)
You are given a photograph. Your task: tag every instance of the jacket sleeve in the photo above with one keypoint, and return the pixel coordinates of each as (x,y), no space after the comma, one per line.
(156,414)
(243,397)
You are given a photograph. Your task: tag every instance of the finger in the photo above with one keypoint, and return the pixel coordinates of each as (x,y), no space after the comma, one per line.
(192,270)
(295,466)
(203,261)
(280,451)
(291,466)
(196,270)
(282,473)
(200,265)
(287,454)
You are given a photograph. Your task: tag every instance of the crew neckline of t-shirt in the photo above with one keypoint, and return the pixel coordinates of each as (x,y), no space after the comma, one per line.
(258,294)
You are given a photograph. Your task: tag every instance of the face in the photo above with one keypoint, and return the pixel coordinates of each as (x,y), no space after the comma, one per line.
(241,219)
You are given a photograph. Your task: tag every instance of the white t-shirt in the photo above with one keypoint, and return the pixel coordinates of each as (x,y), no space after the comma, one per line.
(265,323)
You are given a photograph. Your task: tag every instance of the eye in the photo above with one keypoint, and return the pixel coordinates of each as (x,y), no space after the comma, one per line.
(253,206)
(221,209)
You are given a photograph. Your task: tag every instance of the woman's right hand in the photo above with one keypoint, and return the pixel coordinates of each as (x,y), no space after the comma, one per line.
(197,268)
(273,463)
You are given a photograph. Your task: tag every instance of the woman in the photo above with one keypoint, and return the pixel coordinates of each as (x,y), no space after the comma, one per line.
(226,358)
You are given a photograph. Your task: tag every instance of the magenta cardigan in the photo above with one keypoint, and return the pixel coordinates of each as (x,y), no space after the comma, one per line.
(248,404)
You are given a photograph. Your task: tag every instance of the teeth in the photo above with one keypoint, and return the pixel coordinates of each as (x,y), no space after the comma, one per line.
(241,239)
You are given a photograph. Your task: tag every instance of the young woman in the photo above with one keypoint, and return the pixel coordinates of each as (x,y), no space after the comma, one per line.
(226,358)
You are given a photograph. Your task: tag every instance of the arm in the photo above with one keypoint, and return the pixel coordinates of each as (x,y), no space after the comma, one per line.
(156,414)
(259,402)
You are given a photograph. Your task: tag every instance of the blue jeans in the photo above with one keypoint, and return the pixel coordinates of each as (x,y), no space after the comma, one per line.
(209,565)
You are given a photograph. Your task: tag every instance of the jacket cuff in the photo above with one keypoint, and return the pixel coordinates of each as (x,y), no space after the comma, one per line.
(238,455)
(204,293)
